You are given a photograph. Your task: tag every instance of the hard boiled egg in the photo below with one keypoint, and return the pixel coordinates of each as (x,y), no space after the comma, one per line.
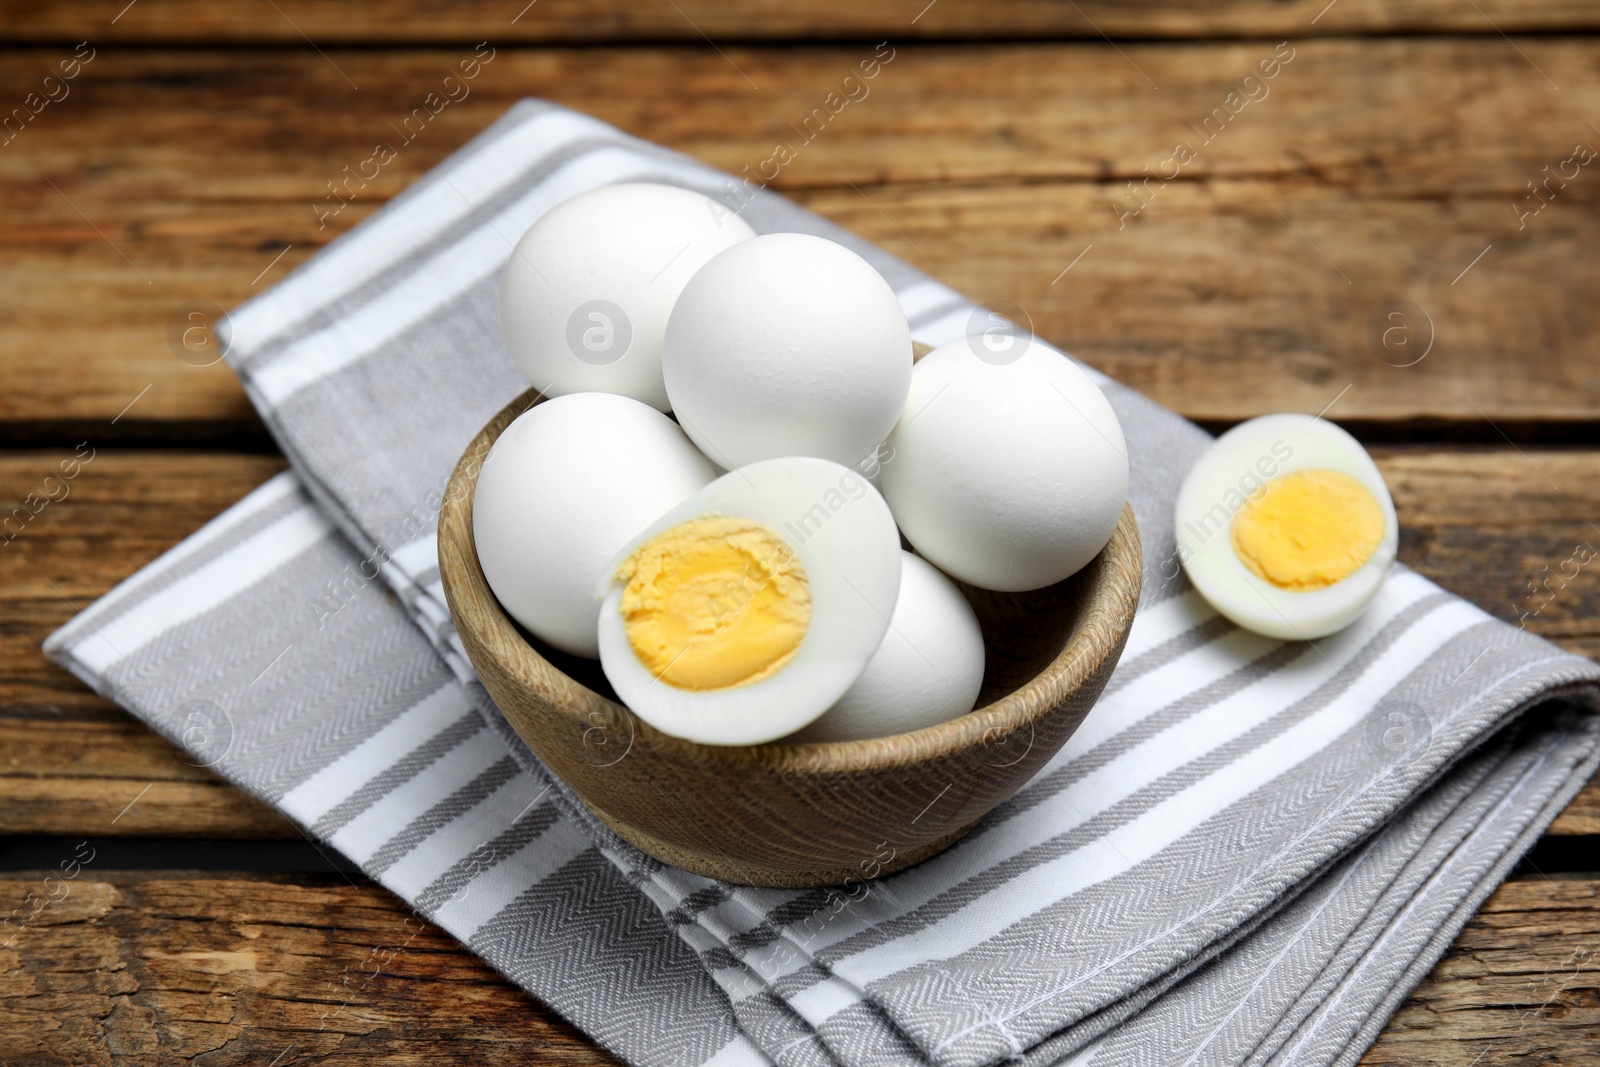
(1286,527)
(560,492)
(746,611)
(585,296)
(1008,474)
(927,671)
(787,345)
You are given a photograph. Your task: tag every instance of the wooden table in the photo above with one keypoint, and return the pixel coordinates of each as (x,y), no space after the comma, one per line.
(1359,232)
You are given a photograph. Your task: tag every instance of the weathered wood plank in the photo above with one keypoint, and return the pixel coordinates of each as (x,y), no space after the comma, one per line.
(1510,531)
(1520,985)
(421,22)
(1250,282)
(1513,531)
(1582,816)
(70,762)
(121,511)
(130,971)
(224,970)
(157,122)
(1229,297)
(1483,523)
(117,778)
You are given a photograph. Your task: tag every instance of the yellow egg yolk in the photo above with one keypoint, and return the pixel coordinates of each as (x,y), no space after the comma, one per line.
(1308,529)
(714,603)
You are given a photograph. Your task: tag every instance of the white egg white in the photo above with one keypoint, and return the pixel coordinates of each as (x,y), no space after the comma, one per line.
(927,671)
(563,489)
(1236,465)
(845,538)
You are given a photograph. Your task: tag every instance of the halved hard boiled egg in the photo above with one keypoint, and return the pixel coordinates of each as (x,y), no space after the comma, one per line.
(1286,527)
(745,612)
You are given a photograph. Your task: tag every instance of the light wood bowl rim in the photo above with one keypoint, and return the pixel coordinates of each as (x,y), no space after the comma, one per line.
(1115,576)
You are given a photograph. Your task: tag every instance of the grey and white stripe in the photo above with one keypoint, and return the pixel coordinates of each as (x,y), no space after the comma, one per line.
(345,756)
(1234,860)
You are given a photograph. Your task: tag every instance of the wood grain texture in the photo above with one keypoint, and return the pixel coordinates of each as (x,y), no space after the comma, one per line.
(1521,985)
(122,510)
(1482,523)
(1399,160)
(218,970)
(293,22)
(1248,283)
(70,762)
(1538,509)
(115,778)
(793,814)
(131,970)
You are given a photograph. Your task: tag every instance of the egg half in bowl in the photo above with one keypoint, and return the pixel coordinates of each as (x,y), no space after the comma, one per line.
(745,612)
(800,814)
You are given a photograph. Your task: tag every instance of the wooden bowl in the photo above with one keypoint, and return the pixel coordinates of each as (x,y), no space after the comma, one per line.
(799,815)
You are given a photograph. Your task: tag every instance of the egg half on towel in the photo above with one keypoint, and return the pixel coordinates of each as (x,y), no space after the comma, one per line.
(1286,527)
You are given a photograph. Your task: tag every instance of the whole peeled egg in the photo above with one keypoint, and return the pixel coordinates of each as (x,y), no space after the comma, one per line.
(561,491)
(1008,474)
(1286,527)
(928,669)
(787,345)
(585,297)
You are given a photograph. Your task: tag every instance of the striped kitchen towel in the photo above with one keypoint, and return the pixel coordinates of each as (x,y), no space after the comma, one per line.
(1248,854)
